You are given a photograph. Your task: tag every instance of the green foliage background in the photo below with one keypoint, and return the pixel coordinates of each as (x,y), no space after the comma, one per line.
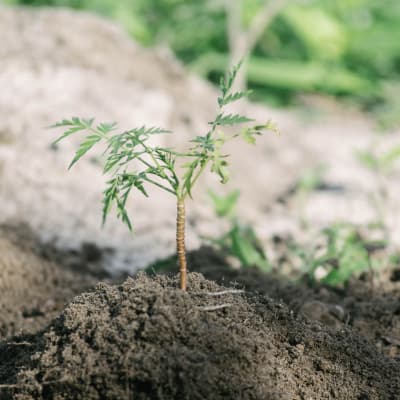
(344,48)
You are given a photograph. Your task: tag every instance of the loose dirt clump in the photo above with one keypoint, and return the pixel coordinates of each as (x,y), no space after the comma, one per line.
(147,339)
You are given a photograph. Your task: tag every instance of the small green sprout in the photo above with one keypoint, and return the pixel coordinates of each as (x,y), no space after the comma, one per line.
(339,252)
(241,241)
(380,163)
(133,163)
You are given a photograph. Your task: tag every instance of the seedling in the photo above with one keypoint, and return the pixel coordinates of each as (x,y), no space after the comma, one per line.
(382,165)
(241,241)
(341,252)
(132,162)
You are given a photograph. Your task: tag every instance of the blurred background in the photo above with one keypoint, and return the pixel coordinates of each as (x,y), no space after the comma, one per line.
(345,49)
(327,72)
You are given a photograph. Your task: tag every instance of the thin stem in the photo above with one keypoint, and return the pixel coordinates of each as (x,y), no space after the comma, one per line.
(176,179)
(180,242)
(149,151)
(200,171)
(147,164)
(159,185)
(159,167)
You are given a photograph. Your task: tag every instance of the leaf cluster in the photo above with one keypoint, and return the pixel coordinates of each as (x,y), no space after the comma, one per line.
(133,162)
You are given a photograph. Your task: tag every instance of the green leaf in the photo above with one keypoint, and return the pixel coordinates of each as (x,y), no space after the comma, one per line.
(224,205)
(110,193)
(74,121)
(85,146)
(68,133)
(122,214)
(187,177)
(218,165)
(167,157)
(106,127)
(118,191)
(249,134)
(145,131)
(368,159)
(222,101)
(353,260)
(227,83)
(137,181)
(231,119)
(246,247)
(204,143)
(391,157)
(75,124)
(112,161)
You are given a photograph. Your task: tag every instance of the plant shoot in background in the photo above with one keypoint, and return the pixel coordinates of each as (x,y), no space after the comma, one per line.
(241,241)
(339,252)
(382,165)
(132,162)
(310,180)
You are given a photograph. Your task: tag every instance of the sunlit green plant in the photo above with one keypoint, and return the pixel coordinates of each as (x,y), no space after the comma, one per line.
(134,163)
(240,241)
(382,166)
(380,163)
(342,252)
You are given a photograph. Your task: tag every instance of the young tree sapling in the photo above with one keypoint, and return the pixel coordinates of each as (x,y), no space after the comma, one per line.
(132,162)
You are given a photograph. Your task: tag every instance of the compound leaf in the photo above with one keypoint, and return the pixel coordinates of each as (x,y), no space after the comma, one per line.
(231,119)
(84,147)
(230,98)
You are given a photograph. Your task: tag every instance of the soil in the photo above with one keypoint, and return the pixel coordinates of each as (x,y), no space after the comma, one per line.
(370,308)
(33,287)
(145,339)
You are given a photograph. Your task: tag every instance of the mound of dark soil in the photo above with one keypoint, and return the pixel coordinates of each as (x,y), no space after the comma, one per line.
(145,339)
(33,289)
(373,312)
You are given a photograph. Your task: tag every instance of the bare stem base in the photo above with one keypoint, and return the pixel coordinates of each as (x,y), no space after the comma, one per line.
(180,243)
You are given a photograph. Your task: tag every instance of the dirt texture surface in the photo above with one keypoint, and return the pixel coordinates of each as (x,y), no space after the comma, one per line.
(371,311)
(33,289)
(146,339)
